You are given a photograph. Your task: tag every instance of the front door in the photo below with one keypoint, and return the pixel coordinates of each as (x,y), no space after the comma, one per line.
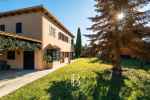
(28,59)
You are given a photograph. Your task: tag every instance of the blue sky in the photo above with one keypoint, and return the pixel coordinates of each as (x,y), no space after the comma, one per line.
(72,13)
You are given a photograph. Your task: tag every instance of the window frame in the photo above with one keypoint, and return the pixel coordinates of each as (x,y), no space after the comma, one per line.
(54,53)
(11,55)
(18,27)
(63,37)
(2,27)
(52,31)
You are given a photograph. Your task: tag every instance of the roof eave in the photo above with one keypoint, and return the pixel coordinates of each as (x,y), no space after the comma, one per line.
(36,9)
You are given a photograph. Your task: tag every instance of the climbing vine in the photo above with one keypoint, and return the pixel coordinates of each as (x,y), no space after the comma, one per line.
(47,58)
(9,43)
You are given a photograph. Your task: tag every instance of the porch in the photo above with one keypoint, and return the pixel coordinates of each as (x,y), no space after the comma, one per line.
(19,59)
(55,56)
(18,52)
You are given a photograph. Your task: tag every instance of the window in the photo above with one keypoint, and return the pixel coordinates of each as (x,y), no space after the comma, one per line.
(52,31)
(66,39)
(72,42)
(63,37)
(2,27)
(55,54)
(63,54)
(59,36)
(67,54)
(18,27)
(11,55)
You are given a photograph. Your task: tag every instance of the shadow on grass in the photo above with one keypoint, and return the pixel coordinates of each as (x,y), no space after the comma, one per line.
(127,63)
(108,86)
(105,86)
(63,90)
(135,63)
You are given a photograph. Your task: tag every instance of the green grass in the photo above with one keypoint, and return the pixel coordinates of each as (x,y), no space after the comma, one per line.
(93,80)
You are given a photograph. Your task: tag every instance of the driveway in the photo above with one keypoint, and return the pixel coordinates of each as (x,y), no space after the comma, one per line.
(13,79)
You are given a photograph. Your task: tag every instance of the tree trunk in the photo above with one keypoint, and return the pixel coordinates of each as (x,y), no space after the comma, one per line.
(116,60)
(116,63)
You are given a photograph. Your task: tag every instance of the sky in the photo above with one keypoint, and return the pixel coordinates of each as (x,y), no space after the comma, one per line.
(72,13)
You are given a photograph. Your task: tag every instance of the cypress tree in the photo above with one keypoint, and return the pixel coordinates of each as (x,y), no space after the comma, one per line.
(78,46)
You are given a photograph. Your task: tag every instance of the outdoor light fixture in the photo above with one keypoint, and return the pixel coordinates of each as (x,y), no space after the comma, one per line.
(120,16)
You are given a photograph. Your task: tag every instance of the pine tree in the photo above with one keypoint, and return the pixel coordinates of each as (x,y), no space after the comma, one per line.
(78,46)
(118,24)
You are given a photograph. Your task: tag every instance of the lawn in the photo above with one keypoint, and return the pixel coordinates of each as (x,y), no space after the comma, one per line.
(89,79)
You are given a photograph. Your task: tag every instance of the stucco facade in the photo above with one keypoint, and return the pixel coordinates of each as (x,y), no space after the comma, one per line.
(47,39)
(31,23)
(36,23)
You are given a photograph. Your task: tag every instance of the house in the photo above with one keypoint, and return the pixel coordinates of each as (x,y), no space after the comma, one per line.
(33,38)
